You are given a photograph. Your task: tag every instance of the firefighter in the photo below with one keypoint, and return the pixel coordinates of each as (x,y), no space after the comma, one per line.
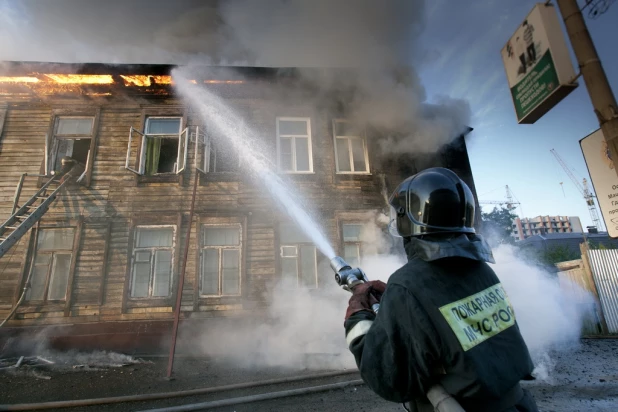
(444,317)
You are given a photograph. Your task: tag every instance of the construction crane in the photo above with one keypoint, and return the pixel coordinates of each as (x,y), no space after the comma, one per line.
(510,203)
(583,190)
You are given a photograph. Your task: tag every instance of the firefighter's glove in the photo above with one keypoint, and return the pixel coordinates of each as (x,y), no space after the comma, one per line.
(364,296)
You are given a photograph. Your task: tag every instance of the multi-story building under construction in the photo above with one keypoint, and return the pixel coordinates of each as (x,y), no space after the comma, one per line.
(526,227)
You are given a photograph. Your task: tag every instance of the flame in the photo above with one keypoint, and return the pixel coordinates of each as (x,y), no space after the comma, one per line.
(5,79)
(143,80)
(81,78)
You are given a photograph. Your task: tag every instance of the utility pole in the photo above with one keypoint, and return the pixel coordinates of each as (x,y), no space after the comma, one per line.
(591,70)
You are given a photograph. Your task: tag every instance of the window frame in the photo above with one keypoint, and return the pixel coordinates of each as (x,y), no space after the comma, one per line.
(146,136)
(30,256)
(310,145)
(297,245)
(220,248)
(136,163)
(51,266)
(50,139)
(135,250)
(363,139)
(357,243)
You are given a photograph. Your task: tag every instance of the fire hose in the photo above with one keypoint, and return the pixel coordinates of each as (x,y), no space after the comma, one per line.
(348,278)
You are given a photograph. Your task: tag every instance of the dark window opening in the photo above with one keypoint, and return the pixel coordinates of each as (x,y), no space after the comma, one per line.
(161,155)
(77,149)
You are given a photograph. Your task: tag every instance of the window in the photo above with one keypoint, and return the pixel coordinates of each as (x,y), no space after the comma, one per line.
(220,261)
(352,244)
(72,137)
(298,258)
(163,149)
(222,157)
(52,262)
(350,148)
(153,257)
(294,145)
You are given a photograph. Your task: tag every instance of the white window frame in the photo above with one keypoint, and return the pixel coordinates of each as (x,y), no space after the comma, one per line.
(183,149)
(136,249)
(293,137)
(52,263)
(362,138)
(357,243)
(297,256)
(51,143)
(220,249)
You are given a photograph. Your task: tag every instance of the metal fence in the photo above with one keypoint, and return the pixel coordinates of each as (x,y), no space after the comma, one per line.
(574,280)
(604,268)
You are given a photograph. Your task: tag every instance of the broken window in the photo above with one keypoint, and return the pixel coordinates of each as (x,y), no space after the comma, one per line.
(51,266)
(164,146)
(294,145)
(298,257)
(153,258)
(220,260)
(350,148)
(352,243)
(72,137)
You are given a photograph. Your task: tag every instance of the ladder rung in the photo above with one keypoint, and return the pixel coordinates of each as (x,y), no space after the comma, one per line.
(22,217)
(11,227)
(42,197)
(31,207)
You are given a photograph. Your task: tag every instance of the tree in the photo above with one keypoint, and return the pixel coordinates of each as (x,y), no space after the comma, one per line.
(498,225)
(557,254)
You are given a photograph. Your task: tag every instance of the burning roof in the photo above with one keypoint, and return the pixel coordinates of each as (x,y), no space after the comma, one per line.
(22,79)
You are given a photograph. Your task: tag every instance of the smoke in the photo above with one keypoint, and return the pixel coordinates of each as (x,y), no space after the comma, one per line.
(378,40)
(550,317)
(305,327)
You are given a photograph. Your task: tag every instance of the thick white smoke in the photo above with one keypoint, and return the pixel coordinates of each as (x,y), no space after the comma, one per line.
(306,328)
(550,317)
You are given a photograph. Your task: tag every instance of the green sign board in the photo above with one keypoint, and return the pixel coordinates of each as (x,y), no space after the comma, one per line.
(537,63)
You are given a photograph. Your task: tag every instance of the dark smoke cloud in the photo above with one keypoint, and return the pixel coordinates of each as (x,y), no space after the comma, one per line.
(316,33)
(378,37)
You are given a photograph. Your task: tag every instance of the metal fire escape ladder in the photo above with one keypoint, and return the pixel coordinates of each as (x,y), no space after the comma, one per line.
(27,215)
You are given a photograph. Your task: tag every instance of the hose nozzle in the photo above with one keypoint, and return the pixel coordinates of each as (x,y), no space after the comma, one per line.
(346,276)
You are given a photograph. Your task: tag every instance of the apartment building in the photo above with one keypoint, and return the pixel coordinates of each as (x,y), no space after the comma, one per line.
(526,227)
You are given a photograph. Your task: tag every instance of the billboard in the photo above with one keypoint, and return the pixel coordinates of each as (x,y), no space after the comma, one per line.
(603,176)
(538,65)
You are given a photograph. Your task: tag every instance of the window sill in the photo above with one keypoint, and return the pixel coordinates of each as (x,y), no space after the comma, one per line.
(133,303)
(161,178)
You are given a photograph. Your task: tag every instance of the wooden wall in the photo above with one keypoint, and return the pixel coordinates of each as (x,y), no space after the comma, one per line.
(116,200)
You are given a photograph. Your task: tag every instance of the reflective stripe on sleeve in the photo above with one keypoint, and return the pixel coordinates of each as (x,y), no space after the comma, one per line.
(358,330)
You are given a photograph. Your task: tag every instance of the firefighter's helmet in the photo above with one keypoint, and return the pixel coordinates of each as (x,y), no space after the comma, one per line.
(433,201)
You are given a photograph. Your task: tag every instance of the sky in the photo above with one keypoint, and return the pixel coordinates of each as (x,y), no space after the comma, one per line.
(459,57)
(469,36)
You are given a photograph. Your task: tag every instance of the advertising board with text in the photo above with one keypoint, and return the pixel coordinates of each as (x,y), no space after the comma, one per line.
(538,65)
(604,179)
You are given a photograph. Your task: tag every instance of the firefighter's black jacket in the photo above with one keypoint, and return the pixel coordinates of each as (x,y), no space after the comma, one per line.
(444,318)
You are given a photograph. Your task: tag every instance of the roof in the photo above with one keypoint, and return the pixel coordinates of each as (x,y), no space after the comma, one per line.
(569,240)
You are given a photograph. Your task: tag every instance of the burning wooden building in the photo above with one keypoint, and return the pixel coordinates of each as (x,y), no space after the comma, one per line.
(104,255)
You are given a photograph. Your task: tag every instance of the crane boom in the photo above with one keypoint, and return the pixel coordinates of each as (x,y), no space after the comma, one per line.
(583,190)
(568,172)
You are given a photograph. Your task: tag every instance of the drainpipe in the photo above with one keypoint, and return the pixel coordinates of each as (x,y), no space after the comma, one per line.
(181,281)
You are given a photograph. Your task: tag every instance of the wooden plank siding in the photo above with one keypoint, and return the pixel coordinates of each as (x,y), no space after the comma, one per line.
(116,200)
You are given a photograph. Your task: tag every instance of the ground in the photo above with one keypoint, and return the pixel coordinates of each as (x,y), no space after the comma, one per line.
(584,378)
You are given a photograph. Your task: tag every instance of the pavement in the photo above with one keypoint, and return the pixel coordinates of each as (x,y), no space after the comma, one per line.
(582,378)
